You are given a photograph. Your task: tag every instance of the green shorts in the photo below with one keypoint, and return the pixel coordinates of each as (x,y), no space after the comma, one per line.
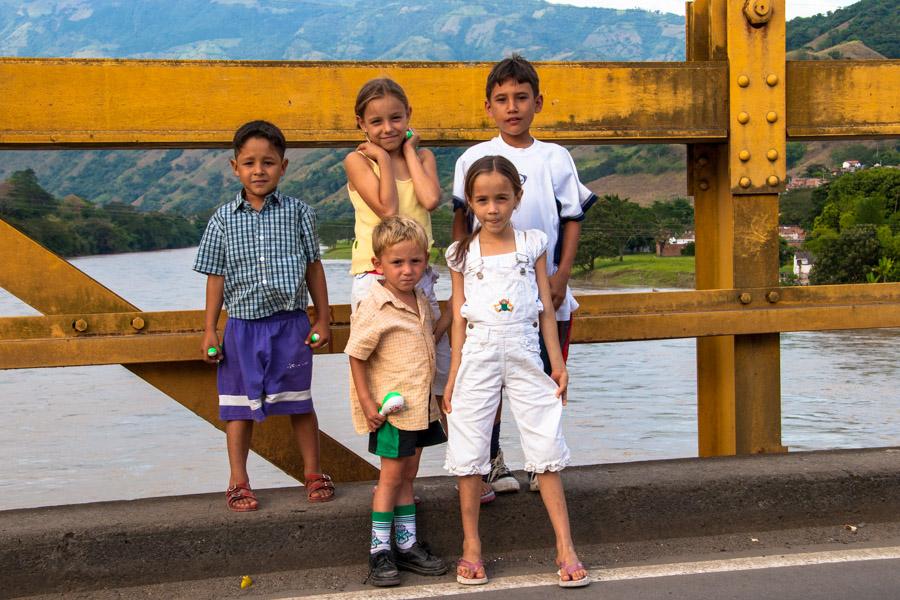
(390,442)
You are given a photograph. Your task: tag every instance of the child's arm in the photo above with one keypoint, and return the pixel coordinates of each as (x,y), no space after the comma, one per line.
(215,294)
(423,171)
(369,406)
(442,324)
(560,279)
(558,373)
(457,336)
(318,291)
(379,193)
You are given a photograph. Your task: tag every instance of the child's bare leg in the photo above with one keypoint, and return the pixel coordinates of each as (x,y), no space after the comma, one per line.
(306,431)
(390,484)
(410,470)
(555,502)
(469,507)
(237,440)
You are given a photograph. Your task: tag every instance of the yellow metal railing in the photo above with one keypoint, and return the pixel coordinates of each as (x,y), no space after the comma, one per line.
(734,102)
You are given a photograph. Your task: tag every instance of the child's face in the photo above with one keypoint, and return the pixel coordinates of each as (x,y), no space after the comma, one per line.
(259,167)
(512,106)
(385,121)
(493,201)
(402,265)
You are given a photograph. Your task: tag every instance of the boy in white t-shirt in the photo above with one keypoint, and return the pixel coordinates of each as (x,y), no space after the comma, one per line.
(553,200)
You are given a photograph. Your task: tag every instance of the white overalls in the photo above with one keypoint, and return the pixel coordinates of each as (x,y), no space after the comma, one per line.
(501,350)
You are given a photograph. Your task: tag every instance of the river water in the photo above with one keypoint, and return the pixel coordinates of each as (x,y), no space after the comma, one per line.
(83,434)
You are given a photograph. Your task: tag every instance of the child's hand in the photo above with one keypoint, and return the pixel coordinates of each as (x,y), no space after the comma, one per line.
(374,419)
(558,285)
(211,340)
(373,151)
(447,399)
(412,143)
(322,329)
(562,381)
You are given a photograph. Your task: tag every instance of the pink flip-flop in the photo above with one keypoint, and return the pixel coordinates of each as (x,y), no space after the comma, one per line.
(472,566)
(568,570)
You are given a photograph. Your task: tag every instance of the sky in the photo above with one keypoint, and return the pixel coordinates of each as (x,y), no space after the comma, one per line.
(795,8)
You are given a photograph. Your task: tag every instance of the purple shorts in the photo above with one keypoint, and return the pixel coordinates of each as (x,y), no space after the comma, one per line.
(266,367)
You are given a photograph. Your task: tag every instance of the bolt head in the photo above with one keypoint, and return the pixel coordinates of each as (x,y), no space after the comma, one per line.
(702,161)
(772,180)
(80,325)
(773,296)
(772,79)
(703,185)
(745,298)
(771,116)
(772,155)
(757,12)
(744,182)
(743,118)
(743,80)
(744,155)
(137,323)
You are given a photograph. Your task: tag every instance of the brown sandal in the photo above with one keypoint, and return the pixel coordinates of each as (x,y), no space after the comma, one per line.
(319,482)
(238,492)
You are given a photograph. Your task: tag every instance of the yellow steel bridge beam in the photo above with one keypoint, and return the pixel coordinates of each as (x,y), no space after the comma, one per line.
(62,103)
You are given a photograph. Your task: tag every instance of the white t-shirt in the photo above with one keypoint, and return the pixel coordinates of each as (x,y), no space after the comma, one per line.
(551,193)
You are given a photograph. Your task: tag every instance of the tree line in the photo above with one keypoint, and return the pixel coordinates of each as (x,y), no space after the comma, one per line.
(72,226)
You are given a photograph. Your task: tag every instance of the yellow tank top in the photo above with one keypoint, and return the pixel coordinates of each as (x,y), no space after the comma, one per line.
(366,220)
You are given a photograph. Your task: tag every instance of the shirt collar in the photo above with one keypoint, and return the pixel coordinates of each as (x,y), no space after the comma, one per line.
(240,203)
(382,296)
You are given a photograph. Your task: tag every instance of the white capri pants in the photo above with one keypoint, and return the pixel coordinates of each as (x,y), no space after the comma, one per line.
(495,357)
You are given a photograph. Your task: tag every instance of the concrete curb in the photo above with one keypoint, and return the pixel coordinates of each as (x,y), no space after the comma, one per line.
(108,544)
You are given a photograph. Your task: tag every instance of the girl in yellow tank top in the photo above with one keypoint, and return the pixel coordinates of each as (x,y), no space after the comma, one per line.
(388,174)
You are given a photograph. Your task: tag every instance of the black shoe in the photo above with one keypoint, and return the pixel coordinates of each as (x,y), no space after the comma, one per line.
(382,570)
(419,560)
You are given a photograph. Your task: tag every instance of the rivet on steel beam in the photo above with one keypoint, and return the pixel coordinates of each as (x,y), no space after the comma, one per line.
(771,116)
(744,155)
(772,180)
(772,79)
(745,298)
(702,161)
(743,118)
(772,155)
(757,12)
(79,325)
(744,182)
(137,323)
(703,185)
(773,296)
(743,80)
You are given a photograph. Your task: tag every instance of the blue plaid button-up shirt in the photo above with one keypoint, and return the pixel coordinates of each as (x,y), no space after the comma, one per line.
(263,255)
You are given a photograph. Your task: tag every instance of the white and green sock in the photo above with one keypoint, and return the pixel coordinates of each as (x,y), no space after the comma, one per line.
(405,526)
(381,531)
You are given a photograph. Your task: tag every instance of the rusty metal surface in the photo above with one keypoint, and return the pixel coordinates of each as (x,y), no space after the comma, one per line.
(756,94)
(836,99)
(129,103)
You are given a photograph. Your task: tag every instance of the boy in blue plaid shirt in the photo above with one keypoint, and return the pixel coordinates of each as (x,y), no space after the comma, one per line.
(260,253)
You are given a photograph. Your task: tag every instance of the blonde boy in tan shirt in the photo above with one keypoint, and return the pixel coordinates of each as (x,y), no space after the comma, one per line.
(391,349)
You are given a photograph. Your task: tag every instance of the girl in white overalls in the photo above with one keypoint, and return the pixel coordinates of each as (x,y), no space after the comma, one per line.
(500,287)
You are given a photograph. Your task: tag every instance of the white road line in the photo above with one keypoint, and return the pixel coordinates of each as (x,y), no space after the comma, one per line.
(625,573)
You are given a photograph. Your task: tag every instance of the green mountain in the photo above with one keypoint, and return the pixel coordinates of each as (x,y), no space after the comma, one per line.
(867,29)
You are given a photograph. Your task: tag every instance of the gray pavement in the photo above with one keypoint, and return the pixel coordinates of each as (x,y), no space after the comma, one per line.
(621,514)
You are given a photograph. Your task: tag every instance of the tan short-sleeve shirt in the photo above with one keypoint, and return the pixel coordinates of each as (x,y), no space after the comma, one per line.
(398,347)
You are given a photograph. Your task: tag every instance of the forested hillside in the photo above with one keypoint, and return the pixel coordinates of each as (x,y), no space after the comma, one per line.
(872,23)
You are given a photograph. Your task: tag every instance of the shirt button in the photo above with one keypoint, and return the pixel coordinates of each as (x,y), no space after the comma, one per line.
(471,326)
(264,282)
(262,259)
(261,238)
(534,324)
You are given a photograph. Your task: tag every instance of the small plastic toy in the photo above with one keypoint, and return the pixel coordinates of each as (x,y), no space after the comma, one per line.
(393,401)
(314,338)
(409,133)
(246,582)
(212,352)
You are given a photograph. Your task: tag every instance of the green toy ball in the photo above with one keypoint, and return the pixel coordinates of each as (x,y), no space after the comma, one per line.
(315,338)
(393,401)
(212,351)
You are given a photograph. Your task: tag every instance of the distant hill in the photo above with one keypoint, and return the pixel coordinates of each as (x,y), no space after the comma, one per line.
(194,181)
(870,24)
